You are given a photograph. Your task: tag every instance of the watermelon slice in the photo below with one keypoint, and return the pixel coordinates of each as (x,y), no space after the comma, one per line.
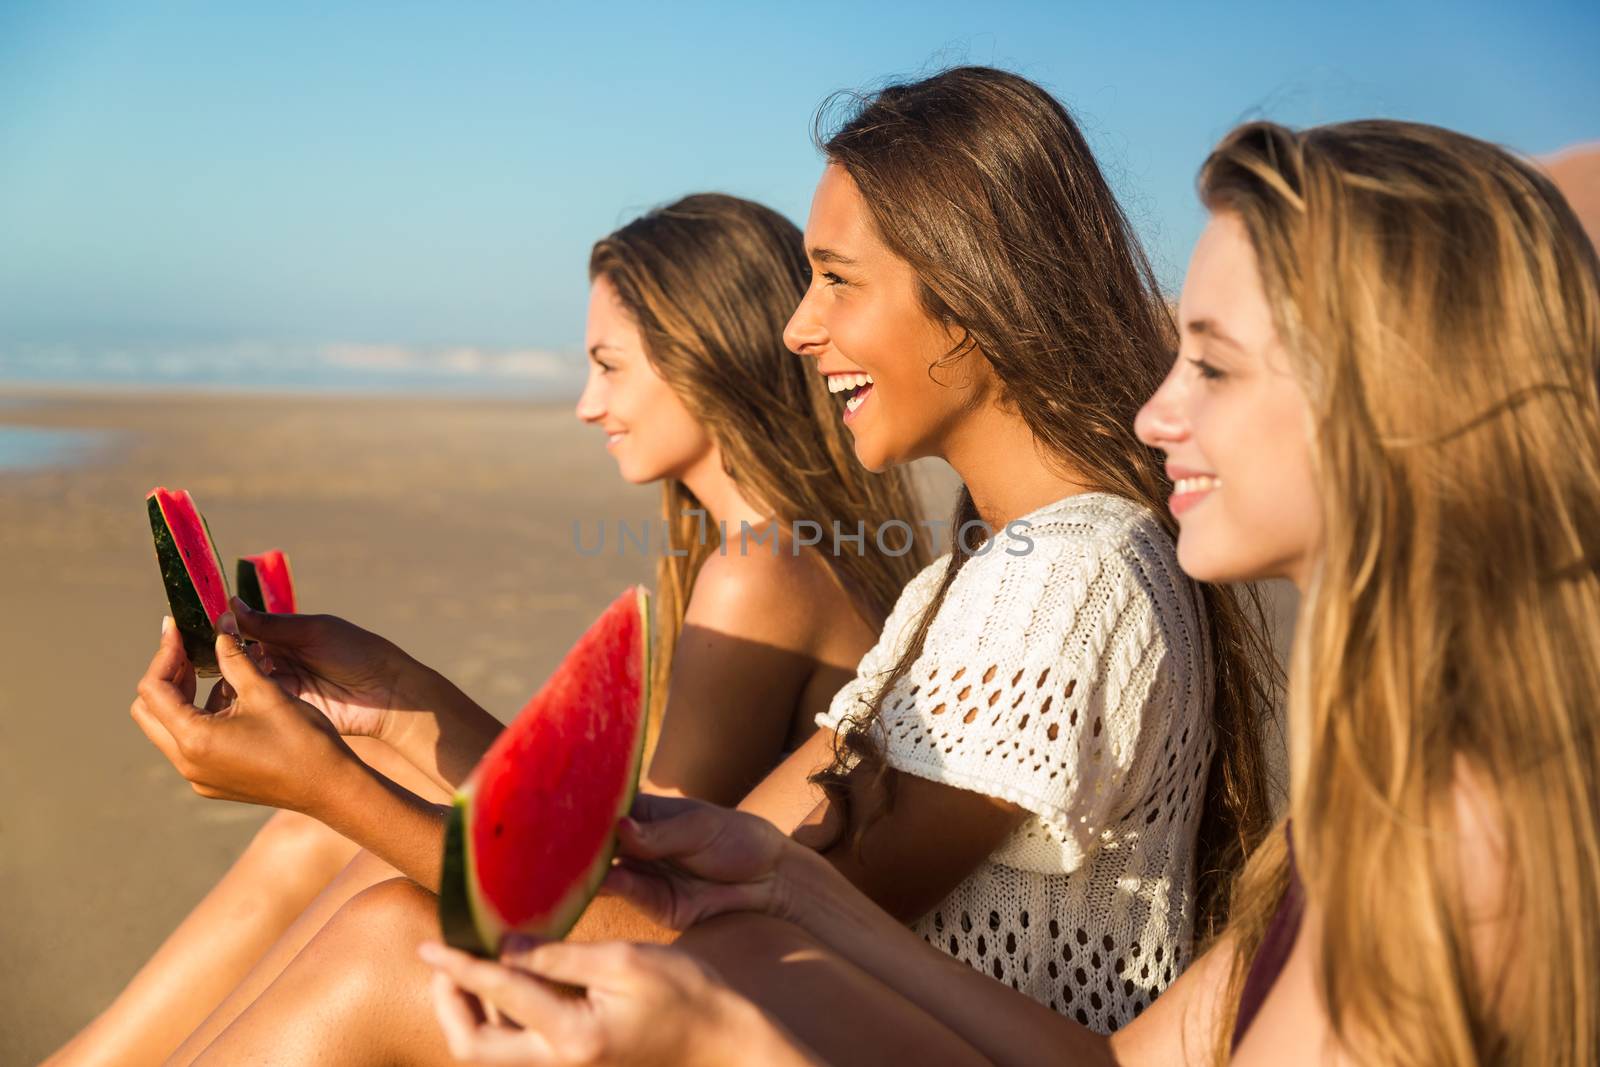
(532,831)
(266,584)
(197,589)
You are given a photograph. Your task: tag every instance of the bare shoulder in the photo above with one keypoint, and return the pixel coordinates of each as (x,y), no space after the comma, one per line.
(770,597)
(1480,839)
(1293,1025)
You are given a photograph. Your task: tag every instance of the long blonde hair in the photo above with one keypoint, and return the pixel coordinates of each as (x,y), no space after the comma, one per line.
(1440,305)
(711,280)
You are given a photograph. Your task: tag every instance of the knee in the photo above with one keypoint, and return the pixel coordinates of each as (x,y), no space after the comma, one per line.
(393,916)
(372,939)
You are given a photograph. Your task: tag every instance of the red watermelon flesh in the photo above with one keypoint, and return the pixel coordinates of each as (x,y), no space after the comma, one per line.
(197,590)
(266,584)
(534,828)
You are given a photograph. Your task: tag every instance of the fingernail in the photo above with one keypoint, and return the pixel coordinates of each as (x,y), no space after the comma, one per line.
(632,826)
(238,605)
(166,624)
(227,624)
(431,952)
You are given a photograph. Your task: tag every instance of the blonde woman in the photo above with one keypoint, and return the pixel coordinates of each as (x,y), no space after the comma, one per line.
(692,388)
(1386,392)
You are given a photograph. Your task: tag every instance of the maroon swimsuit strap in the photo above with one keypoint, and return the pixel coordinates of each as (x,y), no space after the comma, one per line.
(1273,954)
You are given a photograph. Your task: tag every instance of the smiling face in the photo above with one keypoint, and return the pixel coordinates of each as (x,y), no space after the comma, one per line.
(862,321)
(648,429)
(1235,425)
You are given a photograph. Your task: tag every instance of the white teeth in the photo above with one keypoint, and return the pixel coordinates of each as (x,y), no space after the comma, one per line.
(1200,483)
(843,383)
(855,402)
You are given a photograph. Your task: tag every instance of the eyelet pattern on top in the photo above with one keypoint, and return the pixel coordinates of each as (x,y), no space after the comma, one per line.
(1074,681)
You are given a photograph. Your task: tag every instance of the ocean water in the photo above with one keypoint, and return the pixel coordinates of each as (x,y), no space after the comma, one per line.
(28,446)
(259,366)
(295,367)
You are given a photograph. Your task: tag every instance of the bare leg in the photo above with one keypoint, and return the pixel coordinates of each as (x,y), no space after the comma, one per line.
(284,870)
(355,995)
(358,995)
(363,872)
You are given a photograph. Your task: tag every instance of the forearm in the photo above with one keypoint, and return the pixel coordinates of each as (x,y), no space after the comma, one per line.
(439,729)
(611,918)
(387,820)
(1007,1027)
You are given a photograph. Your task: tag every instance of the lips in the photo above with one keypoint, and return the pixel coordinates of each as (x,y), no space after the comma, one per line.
(1189,488)
(855,385)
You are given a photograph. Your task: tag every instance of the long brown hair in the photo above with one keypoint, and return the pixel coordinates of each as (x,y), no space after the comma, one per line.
(1440,306)
(982,182)
(711,280)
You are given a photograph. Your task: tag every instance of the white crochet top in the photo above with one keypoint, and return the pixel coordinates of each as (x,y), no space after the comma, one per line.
(1074,681)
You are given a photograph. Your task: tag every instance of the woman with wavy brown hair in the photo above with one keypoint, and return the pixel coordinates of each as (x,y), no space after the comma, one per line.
(1052,757)
(1386,392)
(687,308)
(691,384)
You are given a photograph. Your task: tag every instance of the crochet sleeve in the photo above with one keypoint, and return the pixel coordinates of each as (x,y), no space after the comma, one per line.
(1044,680)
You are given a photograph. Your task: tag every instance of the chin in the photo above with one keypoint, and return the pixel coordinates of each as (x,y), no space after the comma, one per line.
(1206,559)
(877,452)
(634,475)
(1202,561)
(873,458)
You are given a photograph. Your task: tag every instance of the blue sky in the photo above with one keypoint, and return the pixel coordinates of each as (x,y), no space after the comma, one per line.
(401,176)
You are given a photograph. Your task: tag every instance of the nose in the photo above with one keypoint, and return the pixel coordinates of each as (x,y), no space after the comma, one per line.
(591,402)
(805,335)
(1161,422)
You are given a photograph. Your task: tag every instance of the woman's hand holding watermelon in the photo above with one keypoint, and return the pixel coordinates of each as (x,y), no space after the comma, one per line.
(641,1005)
(257,744)
(683,861)
(367,686)
(353,676)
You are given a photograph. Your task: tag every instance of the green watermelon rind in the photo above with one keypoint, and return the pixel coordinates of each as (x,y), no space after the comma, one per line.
(250,586)
(188,611)
(468,923)
(455,908)
(253,591)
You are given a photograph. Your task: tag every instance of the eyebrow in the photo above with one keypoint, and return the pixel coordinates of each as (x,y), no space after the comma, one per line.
(595,349)
(1208,328)
(828,255)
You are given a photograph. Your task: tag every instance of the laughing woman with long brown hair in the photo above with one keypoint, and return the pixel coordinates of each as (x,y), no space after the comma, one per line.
(1386,392)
